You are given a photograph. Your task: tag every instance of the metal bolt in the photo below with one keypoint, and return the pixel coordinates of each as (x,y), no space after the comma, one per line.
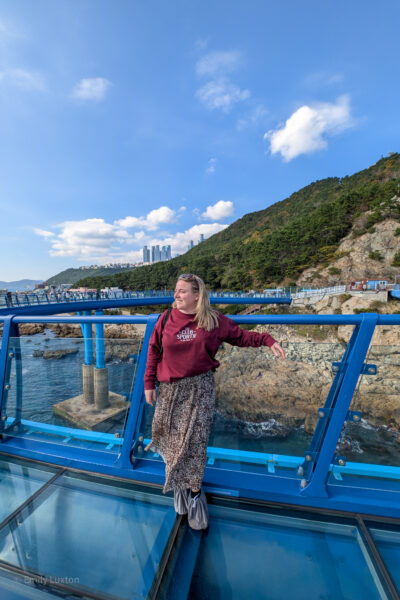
(371,370)
(356,418)
(321,414)
(7,386)
(308,457)
(11,354)
(342,462)
(300,471)
(139,450)
(303,483)
(141,438)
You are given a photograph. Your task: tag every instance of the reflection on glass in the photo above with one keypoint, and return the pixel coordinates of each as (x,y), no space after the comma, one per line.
(51,387)
(91,535)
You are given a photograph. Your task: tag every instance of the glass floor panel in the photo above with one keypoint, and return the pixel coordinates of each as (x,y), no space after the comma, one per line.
(18,481)
(387,540)
(249,555)
(107,539)
(94,536)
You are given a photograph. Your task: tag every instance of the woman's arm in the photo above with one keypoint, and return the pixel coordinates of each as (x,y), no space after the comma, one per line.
(236,336)
(153,356)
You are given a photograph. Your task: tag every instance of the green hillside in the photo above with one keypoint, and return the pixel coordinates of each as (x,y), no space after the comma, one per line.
(72,276)
(276,244)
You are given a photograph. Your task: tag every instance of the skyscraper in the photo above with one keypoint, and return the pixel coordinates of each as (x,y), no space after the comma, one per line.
(155,254)
(191,245)
(146,254)
(201,238)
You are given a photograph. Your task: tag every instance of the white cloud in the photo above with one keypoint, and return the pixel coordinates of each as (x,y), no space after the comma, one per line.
(216,64)
(322,79)
(221,94)
(152,221)
(91,238)
(305,130)
(219,210)
(30,81)
(94,88)
(95,240)
(43,232)
(253,117)
(211,166)
(201,43)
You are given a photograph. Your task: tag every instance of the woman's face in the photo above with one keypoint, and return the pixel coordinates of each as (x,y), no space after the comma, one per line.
(185,297)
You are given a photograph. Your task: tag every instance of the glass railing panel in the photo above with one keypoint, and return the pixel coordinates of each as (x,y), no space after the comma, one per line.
(368,452)
(54,396)
(266,409)
(259,555)
(387,540)
(91,535)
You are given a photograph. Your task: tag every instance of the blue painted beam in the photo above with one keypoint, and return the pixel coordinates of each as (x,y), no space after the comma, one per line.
(100,354)
(72,433)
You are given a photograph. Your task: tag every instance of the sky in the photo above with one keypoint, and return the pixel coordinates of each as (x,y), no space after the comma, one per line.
(138,122)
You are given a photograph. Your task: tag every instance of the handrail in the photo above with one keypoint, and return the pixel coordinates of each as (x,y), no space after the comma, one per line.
(343,319)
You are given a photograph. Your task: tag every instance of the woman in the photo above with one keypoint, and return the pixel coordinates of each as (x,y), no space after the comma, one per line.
(181,355)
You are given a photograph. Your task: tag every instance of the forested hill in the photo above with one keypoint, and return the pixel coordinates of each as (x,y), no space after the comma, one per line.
(274,245)
(71,276)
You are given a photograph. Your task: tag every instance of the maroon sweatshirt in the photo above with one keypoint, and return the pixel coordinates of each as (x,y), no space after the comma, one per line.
(189,351)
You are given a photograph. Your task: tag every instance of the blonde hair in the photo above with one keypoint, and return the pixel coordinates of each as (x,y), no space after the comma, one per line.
(206,316)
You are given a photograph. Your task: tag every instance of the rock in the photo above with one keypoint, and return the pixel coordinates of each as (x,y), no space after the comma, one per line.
(55,354)
(254,387)
(31,328)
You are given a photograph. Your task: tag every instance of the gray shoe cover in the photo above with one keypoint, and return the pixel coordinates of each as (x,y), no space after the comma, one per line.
(181,501)
(198,512)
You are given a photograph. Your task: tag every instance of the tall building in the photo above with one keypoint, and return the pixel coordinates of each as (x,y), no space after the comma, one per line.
(191,245)
(201,238)
(155,253)
(146,254)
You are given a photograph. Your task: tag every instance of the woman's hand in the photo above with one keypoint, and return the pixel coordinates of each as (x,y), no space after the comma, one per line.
(278,350)
(150,396)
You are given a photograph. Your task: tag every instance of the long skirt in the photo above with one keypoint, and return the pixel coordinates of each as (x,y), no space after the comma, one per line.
(181,427)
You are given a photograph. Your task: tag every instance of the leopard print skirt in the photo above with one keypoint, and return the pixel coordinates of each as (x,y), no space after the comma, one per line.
(181,427)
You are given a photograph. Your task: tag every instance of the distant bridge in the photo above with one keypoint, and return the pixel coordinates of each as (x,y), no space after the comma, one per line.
(58,302)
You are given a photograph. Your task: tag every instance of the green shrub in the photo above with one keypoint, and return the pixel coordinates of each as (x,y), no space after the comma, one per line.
(344,297)
(396,260)
(375,255)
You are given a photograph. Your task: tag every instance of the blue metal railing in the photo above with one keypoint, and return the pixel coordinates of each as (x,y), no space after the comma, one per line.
(311,488)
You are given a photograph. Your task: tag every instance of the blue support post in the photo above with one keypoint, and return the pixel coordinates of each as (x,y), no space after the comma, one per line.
(88,339)
(353,369)
(316,442)
(136,408)
(100,355)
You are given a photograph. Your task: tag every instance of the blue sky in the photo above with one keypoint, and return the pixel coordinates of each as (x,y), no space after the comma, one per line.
(127,123)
